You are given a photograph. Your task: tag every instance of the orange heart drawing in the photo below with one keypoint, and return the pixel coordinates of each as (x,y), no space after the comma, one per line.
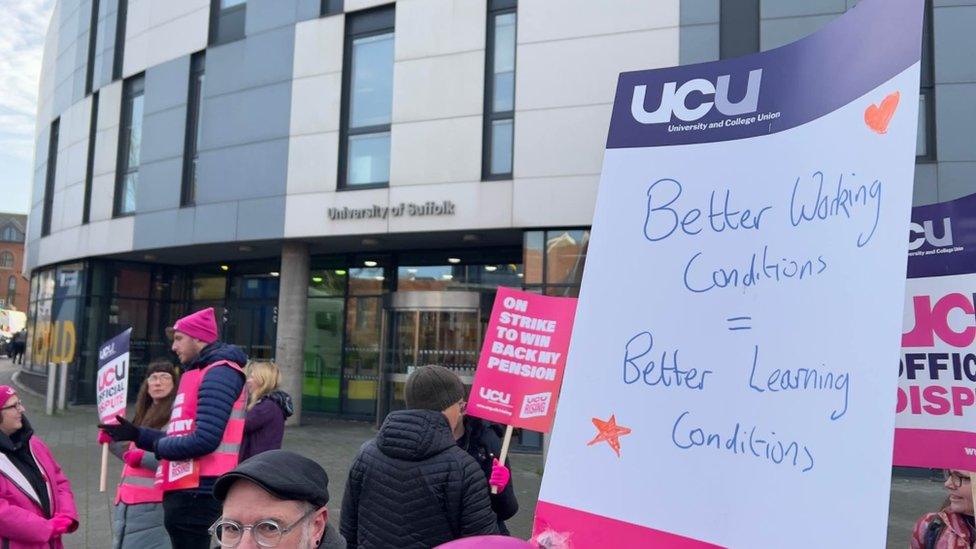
(878,117)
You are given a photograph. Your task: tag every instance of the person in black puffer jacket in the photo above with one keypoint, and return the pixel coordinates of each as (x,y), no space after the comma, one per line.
(413,487)
(483,441)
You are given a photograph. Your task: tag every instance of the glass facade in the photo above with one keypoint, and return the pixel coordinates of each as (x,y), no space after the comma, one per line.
(74,307)
(354,334)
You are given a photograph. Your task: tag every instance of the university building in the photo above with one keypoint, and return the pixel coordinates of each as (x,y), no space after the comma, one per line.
(348,182)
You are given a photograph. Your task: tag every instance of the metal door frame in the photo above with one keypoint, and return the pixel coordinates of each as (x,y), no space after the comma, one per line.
(418,301)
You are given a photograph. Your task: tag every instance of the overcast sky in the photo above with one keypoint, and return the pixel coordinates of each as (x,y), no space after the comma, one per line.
(23,24)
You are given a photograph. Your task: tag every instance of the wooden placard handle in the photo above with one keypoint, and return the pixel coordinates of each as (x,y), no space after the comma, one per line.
(104,475)
(504,453)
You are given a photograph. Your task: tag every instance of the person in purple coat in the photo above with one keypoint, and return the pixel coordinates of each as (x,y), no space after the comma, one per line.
(267,409)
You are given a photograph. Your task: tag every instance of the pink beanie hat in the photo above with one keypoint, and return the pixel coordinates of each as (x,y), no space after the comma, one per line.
(6,391)
(201,325)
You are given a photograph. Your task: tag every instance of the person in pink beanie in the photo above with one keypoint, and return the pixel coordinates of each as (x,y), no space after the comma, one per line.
(203,437)
(36,503)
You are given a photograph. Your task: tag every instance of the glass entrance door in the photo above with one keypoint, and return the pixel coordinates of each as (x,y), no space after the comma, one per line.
(428,327)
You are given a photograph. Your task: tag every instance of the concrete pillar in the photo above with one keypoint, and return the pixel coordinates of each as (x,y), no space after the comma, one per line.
(292,304)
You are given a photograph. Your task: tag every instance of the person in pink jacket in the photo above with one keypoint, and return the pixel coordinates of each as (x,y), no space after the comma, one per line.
(36,504)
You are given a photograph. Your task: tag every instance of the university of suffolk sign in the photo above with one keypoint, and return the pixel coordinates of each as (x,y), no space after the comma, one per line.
(444,207)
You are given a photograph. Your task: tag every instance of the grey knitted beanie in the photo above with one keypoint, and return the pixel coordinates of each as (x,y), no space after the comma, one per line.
(433,388)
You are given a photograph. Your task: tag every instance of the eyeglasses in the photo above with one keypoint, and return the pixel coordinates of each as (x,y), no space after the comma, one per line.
(161,376)
(954,479)
(266,532)
(19,405)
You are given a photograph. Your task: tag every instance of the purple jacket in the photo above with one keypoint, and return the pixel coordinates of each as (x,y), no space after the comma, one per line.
(22,521)
(264,425)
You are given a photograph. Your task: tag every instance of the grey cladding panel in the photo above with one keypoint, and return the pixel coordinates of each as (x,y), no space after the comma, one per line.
(257,170)
(255,61)
(261,219)
(167,85)
(265,15)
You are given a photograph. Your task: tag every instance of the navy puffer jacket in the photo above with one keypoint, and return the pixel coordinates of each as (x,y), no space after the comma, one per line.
(219,389)
(412,487)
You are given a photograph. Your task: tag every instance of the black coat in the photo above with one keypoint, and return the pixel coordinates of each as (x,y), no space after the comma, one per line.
(484,443)
(413,487)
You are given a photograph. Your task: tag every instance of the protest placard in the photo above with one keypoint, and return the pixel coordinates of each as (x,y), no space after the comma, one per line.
(522,360)
(112,386)
(936,422)
(729,376)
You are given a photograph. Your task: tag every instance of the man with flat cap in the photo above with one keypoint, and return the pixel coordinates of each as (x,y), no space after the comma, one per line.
(275,499)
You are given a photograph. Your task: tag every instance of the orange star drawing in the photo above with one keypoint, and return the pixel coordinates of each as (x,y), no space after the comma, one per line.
(609,432)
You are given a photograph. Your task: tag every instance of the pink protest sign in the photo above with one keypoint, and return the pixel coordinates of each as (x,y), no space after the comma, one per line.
(522,360)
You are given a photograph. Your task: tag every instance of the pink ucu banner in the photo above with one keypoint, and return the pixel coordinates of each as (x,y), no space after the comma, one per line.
(520,369)
(936,406)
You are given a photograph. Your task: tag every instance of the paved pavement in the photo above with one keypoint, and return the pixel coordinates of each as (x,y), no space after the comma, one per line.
(334,443)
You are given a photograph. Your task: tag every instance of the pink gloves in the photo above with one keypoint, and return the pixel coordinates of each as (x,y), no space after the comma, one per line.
(133,458)
(500,475)
(103,437)
(60,525)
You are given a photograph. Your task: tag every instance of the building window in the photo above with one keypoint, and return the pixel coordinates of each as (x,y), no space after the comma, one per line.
(367,99)
(331,7)
(191,152)
(90,167)
(738,31)
(130,145)
(52,169)
(11,234)
(553,261)
(499,118)
(121,16)
(925,142)
(227,19)
(92,47)
(11,290)
(6,260)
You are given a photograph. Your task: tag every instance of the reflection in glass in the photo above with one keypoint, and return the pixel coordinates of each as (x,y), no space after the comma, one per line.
(323,355)
(369,159)
(921,138)
(565,255)
(501,146)
(135,132)
(371,86)
(532,256)
(129,183)
(504,63)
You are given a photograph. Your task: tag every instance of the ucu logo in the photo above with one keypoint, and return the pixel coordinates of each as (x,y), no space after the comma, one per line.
(932,321)
(106,352)
(492,395)
(674,99)
(926,233)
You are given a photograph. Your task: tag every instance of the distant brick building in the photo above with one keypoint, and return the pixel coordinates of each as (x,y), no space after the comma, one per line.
(13,284)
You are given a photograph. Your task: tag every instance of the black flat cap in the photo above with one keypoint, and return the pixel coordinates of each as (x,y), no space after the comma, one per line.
(285,475)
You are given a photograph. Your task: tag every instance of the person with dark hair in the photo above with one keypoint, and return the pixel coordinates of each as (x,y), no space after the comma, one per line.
(203,437)
(412,486)
(19,346)
(36,503)
(953,526)
(483,441)
(138,515)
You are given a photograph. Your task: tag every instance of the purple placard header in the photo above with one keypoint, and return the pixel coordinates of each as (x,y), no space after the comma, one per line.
(942,238)
(772,91)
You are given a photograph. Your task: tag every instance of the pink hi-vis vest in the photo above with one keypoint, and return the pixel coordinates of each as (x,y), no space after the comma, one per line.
(137,485)
(183,475)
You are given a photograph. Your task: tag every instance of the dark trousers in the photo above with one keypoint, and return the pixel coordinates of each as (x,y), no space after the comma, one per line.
(187,515)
